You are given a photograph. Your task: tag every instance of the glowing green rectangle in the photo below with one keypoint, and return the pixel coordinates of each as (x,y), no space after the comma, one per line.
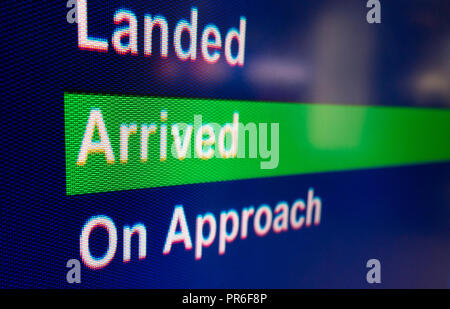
(312,138)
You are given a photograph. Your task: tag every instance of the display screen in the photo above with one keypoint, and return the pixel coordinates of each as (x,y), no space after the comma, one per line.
(226,144)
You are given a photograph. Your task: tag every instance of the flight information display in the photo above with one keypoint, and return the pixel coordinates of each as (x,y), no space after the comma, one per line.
(226,144)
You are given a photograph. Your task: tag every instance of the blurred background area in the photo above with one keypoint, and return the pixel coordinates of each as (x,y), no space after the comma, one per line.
(332,55)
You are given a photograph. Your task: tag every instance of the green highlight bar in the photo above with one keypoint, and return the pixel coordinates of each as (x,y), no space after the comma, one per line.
(312,138)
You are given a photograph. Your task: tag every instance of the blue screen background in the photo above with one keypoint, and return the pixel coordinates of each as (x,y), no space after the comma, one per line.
(296,51)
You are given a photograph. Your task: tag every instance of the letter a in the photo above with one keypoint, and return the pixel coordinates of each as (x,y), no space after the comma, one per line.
(374,274)
(374,14)
(181,236)
(88,146)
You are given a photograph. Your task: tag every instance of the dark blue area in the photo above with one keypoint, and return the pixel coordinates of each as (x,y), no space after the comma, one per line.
(398,215)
